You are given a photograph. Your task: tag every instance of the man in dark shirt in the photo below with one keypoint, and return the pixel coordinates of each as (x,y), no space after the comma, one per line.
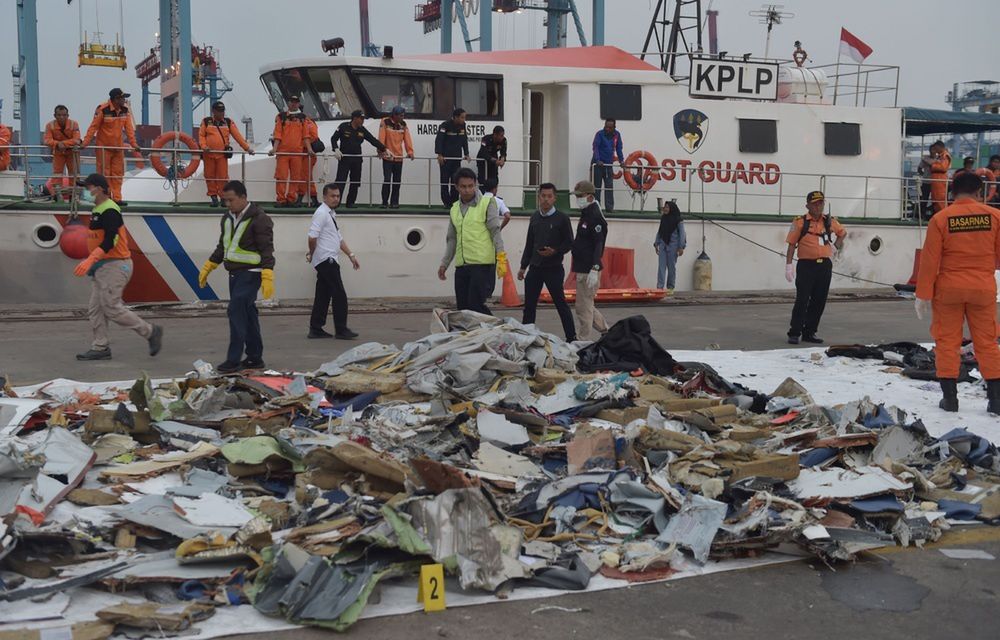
(451,146)
(550,237)
(246,248)
(491,157)
(346,145)
(588,249)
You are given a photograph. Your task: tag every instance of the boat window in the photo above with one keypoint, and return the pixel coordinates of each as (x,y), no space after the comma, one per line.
(758,136)
(842,138)
(621,102)
(414,93)
(294,84)
(326,92)
(274,91)
(479,96)
(334,91)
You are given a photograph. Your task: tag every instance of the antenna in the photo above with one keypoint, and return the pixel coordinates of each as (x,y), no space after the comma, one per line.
(771,14)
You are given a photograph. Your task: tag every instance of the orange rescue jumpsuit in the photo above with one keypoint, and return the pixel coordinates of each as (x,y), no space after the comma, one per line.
(939,181)
(312,131)
(108,126)
(214,135)
(290,137)
(990,179)
(5,136)
(63,159)
(956,273)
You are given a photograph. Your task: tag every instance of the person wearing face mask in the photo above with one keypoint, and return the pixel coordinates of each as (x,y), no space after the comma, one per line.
(588,249)
(109,266)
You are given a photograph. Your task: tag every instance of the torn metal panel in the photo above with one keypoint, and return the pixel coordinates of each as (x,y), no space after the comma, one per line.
(158,512)
(695,525)
(846,483)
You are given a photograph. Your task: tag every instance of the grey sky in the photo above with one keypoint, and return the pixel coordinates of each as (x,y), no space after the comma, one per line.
(249,33)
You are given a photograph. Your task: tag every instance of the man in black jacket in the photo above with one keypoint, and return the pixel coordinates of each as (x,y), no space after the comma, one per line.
(346,145)
(550,237)
(451,146)
(491,157)
(246,248)
(588,249)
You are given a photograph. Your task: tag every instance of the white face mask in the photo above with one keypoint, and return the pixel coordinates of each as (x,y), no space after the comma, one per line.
(582,202)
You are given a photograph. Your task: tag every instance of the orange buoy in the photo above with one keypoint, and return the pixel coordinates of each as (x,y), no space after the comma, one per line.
(183,172)
(647,176)
(73,240)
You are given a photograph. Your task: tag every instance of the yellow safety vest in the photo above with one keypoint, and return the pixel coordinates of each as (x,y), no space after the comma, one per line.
(474,242)
(231,242)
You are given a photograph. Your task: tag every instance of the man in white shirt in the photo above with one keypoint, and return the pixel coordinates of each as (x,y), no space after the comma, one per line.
(491,187)
(325,246)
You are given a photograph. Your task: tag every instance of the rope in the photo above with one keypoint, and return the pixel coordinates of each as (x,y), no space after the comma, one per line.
(766,248)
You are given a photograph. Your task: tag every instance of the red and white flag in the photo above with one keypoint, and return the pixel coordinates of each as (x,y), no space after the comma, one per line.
(852,46)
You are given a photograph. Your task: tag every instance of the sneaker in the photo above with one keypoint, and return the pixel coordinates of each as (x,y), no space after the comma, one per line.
(385,205)
(793,339)
(94,354)
(346,334)
(155,340)
(228,367)
(252,363)
(812,339)
(393,206)
(317,334)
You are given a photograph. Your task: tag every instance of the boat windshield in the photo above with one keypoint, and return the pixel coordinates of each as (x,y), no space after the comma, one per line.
(326,92)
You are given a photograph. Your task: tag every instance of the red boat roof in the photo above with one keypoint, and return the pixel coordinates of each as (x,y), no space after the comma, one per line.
(581,57)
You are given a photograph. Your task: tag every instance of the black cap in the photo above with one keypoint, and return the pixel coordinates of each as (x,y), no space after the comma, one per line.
(94,180)
(357,113)
(118,93)
(296,98)
(814,196)
(218,105)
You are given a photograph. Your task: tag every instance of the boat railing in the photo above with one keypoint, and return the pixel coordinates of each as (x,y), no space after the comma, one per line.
(853,84)
(32,160)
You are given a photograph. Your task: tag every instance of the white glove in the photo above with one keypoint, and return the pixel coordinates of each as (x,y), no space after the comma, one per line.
(593,279)
(338,154)
(790,272)
(922,307)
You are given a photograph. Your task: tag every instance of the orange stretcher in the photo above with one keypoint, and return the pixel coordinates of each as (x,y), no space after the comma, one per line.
(614,295)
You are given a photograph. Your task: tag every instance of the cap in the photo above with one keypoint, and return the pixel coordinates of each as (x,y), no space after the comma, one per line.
(357,113)
(94,180)
(398,110)
(968,159)
(218,105)
(584,188)
(295,97)
(118,93)
(814,196)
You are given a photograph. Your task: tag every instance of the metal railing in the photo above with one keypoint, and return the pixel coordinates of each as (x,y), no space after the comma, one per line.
(178,158)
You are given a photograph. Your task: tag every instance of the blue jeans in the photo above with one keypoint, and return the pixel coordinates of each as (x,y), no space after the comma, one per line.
(244,326)
(667,266)
(604,177)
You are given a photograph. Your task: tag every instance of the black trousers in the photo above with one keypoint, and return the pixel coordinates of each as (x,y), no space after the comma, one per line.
(487,170)
(812,284)
(244,325)
(552,278)
(392,175)
(474,284)
(449,193)
(329,287)
(349,167)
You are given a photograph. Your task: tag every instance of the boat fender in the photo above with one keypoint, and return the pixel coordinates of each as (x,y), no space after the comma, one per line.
(648,176)
(181,172)
(73,240)
(703,273)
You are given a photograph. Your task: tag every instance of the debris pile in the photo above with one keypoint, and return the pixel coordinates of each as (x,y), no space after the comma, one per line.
(480,447)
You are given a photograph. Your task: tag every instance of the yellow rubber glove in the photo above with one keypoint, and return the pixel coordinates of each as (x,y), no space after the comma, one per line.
(502,265)
(84,266)
(267,283)
(206,269)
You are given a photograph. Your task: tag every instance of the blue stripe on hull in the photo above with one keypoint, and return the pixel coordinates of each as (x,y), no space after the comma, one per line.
(172,247)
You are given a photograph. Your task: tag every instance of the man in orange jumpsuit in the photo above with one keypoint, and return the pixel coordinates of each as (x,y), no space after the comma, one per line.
(310,167)
(956,283)
(291,139)
(214,138)
(111,120)
(62,136)
(5,136)
(940,164)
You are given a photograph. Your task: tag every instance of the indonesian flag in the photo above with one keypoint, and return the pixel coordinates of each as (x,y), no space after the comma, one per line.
(853,47)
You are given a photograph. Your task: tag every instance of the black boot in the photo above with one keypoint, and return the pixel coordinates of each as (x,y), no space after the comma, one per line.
(949,388)
(215,201)
(298,201)
(314,202)
(993,396)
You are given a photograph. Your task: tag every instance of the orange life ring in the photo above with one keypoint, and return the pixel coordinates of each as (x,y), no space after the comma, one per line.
(162,169)
(649,175)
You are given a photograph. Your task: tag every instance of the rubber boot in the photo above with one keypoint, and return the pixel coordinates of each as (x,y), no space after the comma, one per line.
(215,201)
(950,390)
(993,396)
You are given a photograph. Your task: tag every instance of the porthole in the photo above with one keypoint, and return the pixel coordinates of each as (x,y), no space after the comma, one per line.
(875,246)
(415,239)
(45,235)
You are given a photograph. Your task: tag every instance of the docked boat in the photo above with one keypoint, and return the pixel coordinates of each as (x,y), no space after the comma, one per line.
(737,153)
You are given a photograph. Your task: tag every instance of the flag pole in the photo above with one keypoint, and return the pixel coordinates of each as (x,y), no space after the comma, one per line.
(857,86)
(836,84)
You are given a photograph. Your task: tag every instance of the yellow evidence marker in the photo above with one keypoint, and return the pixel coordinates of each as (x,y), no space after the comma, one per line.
(431,589)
